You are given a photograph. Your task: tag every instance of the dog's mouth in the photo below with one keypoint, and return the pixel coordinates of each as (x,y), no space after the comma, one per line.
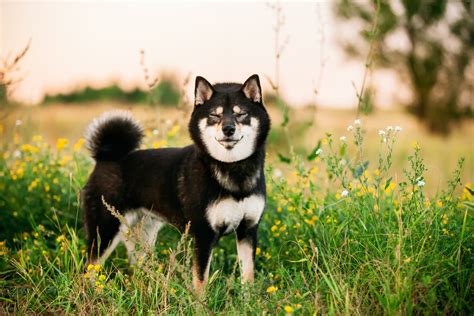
(228,142)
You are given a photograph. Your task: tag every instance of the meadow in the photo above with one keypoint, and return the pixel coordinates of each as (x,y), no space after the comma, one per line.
(363,216)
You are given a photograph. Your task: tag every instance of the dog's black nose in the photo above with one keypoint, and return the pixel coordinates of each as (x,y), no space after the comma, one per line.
(228,130)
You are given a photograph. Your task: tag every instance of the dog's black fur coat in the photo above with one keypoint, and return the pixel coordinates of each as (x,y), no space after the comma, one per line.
(177,184)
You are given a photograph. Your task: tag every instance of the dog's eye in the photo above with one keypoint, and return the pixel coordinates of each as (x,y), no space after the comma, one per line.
(214,118)
(240,116)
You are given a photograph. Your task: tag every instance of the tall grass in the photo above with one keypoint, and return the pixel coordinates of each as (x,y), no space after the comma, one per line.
(343,234)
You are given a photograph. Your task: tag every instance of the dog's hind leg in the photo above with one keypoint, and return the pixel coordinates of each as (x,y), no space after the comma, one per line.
(139,235)
(101,229)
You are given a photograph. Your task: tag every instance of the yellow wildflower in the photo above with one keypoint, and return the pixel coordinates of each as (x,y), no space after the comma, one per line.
(29,148)
(288,309)
(257,251)
(439,203)
(272,289)
(102,277)
(159,144)
(90,267)
(97,268)
(64,160)
(20,172)
(61,143)
(78,145)
(444,219)
(174,130)
(37,138)
(33,185)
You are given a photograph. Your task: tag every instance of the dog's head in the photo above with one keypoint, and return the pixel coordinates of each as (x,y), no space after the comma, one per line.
(229,120)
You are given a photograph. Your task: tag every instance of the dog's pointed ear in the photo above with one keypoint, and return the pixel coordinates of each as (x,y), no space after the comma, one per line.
(203,91)
(252,90)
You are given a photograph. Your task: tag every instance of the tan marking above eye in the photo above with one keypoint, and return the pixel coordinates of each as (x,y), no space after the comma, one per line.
(219,110)
(236,109)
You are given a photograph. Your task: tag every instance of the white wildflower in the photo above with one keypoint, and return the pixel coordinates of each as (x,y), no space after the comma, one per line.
(350,128)
(156,132)
(17,154)
(277,173)
(344,193)
(398,128)
(342,138)
(389,128)
(319,151)
(18,122)
(357,122)
(382,132)
(421,183)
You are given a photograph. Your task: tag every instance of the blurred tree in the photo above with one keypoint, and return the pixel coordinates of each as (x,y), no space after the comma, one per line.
(429,43)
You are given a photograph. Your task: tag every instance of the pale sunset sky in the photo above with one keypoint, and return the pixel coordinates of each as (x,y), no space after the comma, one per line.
(74,43)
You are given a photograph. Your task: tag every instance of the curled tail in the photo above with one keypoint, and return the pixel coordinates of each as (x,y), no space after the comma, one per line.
(113,135)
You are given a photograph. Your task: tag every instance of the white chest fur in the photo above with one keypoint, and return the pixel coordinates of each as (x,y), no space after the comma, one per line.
(229,212)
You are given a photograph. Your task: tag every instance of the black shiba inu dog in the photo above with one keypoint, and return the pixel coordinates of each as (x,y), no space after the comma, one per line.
(217,184)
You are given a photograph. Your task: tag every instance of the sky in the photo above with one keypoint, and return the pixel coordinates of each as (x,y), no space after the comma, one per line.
(74,43)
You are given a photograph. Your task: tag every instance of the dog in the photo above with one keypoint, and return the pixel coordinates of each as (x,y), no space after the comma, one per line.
(217,184)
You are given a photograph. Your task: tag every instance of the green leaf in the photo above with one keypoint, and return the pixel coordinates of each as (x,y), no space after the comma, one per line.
(388,183)
(470,191)
(283,158)
(342,150)
(314,153)
(298,261)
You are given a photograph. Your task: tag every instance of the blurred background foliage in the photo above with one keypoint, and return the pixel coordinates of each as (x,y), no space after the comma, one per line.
(429,44)
(166,93)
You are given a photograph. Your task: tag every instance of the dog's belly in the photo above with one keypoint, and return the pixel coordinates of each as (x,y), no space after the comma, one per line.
(225,215)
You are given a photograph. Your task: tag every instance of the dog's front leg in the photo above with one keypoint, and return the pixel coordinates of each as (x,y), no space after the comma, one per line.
(246,247)
(204,241)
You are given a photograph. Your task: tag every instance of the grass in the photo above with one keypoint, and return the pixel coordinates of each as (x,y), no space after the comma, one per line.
(345,232)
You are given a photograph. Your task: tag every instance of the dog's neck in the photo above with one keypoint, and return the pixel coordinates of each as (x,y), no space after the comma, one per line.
(240,176)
